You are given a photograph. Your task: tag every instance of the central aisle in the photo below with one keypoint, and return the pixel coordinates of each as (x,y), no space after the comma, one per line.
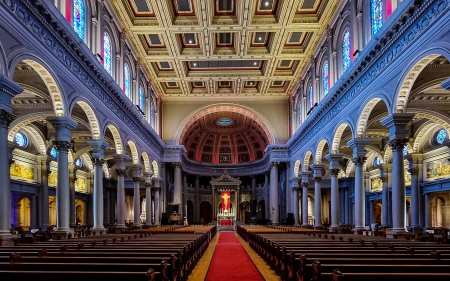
(231,261)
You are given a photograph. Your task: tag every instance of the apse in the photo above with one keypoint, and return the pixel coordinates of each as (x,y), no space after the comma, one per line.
(224,137)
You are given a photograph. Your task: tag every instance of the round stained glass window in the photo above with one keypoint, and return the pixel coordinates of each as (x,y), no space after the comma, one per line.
(405,150)
(21,140)
(79,163)
(54,152)
(441,136)
(377,161)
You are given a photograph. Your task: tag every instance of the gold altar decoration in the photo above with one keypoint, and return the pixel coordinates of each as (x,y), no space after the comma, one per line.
(376,184)
(53,178)
(438,168)
(80,185)
(21,171)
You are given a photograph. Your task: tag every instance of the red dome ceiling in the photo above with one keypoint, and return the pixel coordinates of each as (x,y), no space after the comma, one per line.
(224,137)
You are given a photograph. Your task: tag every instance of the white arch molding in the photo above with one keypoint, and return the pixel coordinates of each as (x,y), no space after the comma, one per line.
(297,166)
(146,161)
(117,138)
(319,150)
(306,161)
(134,152)
(231,107)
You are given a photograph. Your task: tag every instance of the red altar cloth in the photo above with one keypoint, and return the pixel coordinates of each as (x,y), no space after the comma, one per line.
(226,222)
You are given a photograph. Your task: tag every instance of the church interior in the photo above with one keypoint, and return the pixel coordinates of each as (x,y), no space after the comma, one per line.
(179,121)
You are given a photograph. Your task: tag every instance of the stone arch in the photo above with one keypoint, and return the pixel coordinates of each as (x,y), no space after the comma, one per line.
(435,117)
(338,135)
(319,150)
(87,161)
(48,76)
(26,120)
(94,124)
(297,167)
(350,167)
(238,108)
(409,76)
(365,113)
(134,152)
(306,160)
(117,139)
(37,137)
(146,161)
(155,168)
(422,133)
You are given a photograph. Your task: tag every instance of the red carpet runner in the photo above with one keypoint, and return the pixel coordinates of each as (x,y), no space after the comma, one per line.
(231,262)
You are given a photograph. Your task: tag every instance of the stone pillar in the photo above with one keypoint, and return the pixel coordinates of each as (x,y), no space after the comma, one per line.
(317,168)
(296,213)
(72,180)
(415,168)
(359,157)
(157,188)
(274,208)
(43,195)
(119,168)
(63,126)
(397,138)
(266,196)
(177,189)
(385,210)
(148,197)
(197,199)
(8,90)
(427,211)
(253,198)
(305,183)
(163,188)
(214,206)
(335,204)
(136,170)
(238,205)
(33,211)
(288,204)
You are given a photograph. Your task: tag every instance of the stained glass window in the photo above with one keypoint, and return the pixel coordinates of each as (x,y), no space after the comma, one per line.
(405,150)
(107,52)
(79,163)
(141,98)
(377,161)
(311,96)
(346,50)
(376,12)
(21,140)
(325,77)
(441,136)
(78,22)
(54,152)
(126,80)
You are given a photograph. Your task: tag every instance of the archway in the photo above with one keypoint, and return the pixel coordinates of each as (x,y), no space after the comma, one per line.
(205,212)
(52,210)
(24,213)
(79,211)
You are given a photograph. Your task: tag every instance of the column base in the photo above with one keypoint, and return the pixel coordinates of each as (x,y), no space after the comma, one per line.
(358,229)
(73,225)
(157,224)
(317,226)
(335,229)
(398,233)
(137,225)
(297,224)
(275,223)
(99,229)
(119,229)
(304,225)
(7,239)
(61,234)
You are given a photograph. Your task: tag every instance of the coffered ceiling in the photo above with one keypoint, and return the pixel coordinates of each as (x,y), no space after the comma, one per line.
(239,49)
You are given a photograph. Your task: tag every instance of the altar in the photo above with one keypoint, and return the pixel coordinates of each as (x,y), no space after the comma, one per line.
(226,199)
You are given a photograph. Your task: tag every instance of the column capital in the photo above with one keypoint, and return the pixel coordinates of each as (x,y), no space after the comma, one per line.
(397,144)
(305,184)
(414,171)
(317,169)
(177,164)
(63,126)
(334,158)
(359,160)
(6,118)
(274,164)
(72,179)
(317,179)
(136,179)
(305,176)
(359,146)
(384,178)
(119,160)
(63,145)
(45,172)
(148,185)
(8,90)
(120,172)
(98,147)
(136,170)
(396,123)
(99,162)
(335,172)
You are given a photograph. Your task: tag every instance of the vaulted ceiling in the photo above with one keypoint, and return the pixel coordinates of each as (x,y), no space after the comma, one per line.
(194,49)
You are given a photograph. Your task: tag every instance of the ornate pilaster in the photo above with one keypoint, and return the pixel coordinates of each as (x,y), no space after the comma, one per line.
(398,136)
(359,157)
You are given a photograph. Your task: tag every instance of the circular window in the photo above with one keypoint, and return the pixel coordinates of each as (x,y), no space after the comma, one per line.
(224,122)
(441,136)
(54,152)
(21,140)
(377,161)
(79,163)
(405,150)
